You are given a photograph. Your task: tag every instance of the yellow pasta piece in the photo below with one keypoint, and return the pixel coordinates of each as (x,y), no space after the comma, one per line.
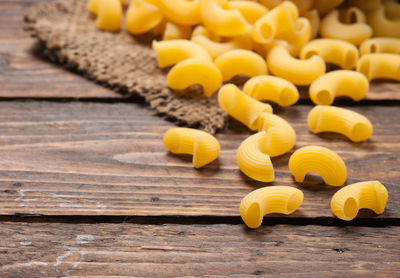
(266,200)
(203,146)
(240,106)
(251,11)
(253,160)
(365,5)
(338,83)
(280,19)
(180,11)
(93,5)
(392,9)
(383,26)
(297,37)
(346,202)
(220,20)
(380,45)
(380,65)
(320,160)
(338,52)
(299,72)
(332,27)
(353,15)
(194,71)
(353,125)
(109,14)
(173,51)
(175,31)
(303,6)
(280,137)
(276,89)
(142,16)
(270,4)
(313,18)
(241,61)
(325,6)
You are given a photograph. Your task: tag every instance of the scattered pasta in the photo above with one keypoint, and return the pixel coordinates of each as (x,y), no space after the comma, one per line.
(364,5)
(383,26)
(353,125)
(175,31)
(392,9)
(325,6)
(346,202)
(203,146)
(109,14)
(297,37)
(313,18)
(180,11)
(251,11)
(266,200)
(380,45)
(380,65)
(142,17)
(320,160)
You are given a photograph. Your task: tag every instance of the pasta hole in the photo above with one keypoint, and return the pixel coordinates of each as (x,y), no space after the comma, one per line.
(352,17)
(310,53)
(324,97)
(254,215)
(373,48)
(350,209)
(266,31)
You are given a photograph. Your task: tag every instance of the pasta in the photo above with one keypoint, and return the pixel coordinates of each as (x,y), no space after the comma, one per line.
(109,14)
(338,83)
(313,18)
(319,160)
(338,52)
(276,89)
(354,15)
(346,202)
(174,31)
(270,4)
(180,11)
(93,5)
(194,71)
(380,45)
(271,199)
(240,61)
(299,72)
(354,33)
(280,19)
(203,146)
(303,6)
(240,106)
(251,11)
(142,16)
(392,9)
(325,6)
(381,25)
(173,51)
(380,65)
(253,160)
(364,5)
(353,125)
(297,37)
(220,20)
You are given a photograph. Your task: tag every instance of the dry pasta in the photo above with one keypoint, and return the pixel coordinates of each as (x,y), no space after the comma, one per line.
(203,146)
(142,17)
(383,26)
(364,5)
(380,65)
(313,18)
(271,199)
(175,31)
(190,72)
(180,11)
(251,11)
(240,61)
(240,106)
(303,6)
(346,202)
(320,160)
(353,125)
(325,6)
(109,14)
(272,88)
(297,37)
(353,15)
(93,5)
(299,72)
(338,52)
(253,160)
(338,83)
(380,45)
(392,9)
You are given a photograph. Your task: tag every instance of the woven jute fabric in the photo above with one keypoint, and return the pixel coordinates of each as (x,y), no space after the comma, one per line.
(119,61)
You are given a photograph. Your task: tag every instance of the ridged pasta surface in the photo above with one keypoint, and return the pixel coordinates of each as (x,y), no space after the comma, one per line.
(380,45)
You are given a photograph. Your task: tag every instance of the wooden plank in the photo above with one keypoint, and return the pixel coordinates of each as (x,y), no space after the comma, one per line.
(54,249)
(78,158)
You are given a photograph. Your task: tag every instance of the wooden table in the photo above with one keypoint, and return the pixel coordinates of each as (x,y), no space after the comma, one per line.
(88,189)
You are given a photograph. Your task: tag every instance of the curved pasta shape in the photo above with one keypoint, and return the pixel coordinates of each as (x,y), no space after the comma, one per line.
(280,19)
(270,4)
(325,6)
(280,137)
(173,51)
(203,146)
(251,11)
(142,16)
(313,18)
(346,202)
(194,71)
(365,6)
(272,88)
(266,200)
(303,6)
(380,45)
(392,9)
(180,11)
(253,160)
(220,20)
(320,160)
(240,61)
(93,5)
(297,37)
(353,15)
(299,72)
(240,106)
(338,83)
(353,125)
(109,14)
(380,65)
(175,32)
(381,25)
(355,33)
(338,52)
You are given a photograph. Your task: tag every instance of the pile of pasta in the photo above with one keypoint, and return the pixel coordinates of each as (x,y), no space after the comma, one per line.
(278,45)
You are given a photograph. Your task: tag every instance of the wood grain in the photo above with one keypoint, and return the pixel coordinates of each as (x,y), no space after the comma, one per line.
(78,158)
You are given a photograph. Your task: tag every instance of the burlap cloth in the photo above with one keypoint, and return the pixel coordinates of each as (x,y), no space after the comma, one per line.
(119,61)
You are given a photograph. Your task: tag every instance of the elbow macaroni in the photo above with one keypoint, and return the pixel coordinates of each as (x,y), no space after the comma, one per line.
(313,18)
(380,65)
(381,25)
(392,9)
(380,45)
(320,160)
(325,6)
(203,146)
(297,37)
(175,32)
(109,14)
(346,202)
(353,125)
(251,11)
(142,16)
(180,11)
(271,199)
(365,6)
(338,83)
